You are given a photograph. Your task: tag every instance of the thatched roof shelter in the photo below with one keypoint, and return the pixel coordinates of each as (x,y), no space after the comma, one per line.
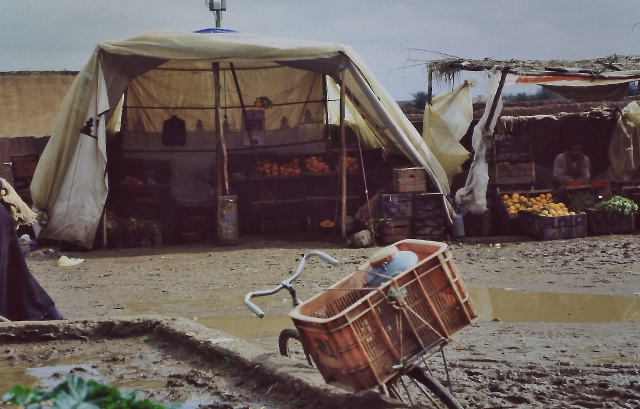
(614,66)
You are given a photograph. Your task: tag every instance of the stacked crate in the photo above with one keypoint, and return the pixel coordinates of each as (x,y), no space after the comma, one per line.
(396,211)
(511,169)
(510,164)
(410,212)
(428,216)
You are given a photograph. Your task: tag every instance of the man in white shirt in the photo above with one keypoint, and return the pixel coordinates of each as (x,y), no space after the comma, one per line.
(570,165)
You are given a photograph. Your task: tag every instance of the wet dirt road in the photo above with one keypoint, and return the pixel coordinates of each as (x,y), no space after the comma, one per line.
(498,362)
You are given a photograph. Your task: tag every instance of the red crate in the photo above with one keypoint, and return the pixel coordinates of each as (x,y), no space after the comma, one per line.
(355,334)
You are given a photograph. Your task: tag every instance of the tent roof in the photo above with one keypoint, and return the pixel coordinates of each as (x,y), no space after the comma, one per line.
(222,47)
(448,68)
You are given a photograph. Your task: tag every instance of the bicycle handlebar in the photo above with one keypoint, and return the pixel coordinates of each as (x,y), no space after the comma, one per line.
(286,283)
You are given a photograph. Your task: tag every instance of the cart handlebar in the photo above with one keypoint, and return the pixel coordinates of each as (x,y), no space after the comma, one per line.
(286,283)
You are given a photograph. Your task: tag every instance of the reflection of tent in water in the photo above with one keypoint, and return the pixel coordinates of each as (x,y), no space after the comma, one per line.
(209,81)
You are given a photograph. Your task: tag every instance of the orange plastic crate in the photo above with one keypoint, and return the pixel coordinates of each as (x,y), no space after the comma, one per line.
(356,335)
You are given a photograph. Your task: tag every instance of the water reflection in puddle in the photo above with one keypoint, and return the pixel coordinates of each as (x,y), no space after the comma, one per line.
(520,306)
(490,303)
(248,327)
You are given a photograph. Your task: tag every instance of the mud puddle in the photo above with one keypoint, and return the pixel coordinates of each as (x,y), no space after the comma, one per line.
(152,366)
(522,306)
(501,304)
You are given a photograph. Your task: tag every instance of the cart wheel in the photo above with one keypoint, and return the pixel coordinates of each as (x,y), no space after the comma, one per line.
(416,387)
(290,344)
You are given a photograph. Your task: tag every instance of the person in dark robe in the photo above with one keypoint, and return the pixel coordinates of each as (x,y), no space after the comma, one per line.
(21,297)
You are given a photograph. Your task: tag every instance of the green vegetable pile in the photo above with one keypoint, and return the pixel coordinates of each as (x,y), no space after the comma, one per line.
(618,205)
(582,201)
(77,393)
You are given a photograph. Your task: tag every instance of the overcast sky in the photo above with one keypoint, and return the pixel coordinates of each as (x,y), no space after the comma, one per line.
(43,35)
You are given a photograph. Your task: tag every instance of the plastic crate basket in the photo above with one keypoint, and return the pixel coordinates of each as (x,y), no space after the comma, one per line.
(355,335)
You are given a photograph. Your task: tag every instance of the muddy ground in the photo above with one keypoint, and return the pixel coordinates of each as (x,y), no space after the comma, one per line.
(492,364)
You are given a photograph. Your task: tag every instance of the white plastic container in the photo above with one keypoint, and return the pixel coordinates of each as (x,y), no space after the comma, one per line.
(457,229)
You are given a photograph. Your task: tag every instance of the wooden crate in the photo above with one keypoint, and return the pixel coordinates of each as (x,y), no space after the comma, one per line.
(392,230)
(424,229)
(22,168)
(599,222)
(410,180)
(513,144)
(512,173)
(633,193)
(396,205)
(24,165)
(427,205)
(552,228)
(492,157)
(618,187)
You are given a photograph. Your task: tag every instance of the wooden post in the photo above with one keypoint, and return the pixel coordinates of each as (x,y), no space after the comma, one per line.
(496,97)
(244,109)
(430,86)
(104,228)
(343,156)
(219,131)
(222,176)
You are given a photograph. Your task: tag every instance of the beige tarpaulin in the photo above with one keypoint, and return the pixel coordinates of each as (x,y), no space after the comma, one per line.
(70,179)
(445,122)
(624,148)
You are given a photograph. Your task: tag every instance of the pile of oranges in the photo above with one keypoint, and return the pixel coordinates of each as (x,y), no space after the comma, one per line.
(542,204)
(352,164)
(316,165)
(271,169)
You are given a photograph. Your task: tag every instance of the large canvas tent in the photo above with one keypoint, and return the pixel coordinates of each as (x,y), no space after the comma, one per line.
(164,73)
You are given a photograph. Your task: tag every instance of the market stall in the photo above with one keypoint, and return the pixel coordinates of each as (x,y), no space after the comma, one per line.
(518,156)
(200,114)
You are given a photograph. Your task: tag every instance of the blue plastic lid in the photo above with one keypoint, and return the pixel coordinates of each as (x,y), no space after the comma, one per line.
(215,31)
(403,261)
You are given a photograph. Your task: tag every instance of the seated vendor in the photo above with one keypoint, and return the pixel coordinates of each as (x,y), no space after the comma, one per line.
(21,297)
(570,165)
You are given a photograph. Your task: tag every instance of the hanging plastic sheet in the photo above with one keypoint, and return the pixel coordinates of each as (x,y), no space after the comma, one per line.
(624,148)
(473,196)
(445,122)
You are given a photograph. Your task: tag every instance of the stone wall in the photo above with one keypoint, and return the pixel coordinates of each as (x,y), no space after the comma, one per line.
(29,105)
(30,101)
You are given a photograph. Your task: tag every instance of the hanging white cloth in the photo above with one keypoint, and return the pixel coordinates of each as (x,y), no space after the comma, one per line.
(473,196)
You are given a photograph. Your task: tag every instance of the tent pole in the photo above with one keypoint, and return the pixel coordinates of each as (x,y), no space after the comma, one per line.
(430,86)
(104,228)
(221,149)
(326,130)
(244,110)
(496,98)
(343,156)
